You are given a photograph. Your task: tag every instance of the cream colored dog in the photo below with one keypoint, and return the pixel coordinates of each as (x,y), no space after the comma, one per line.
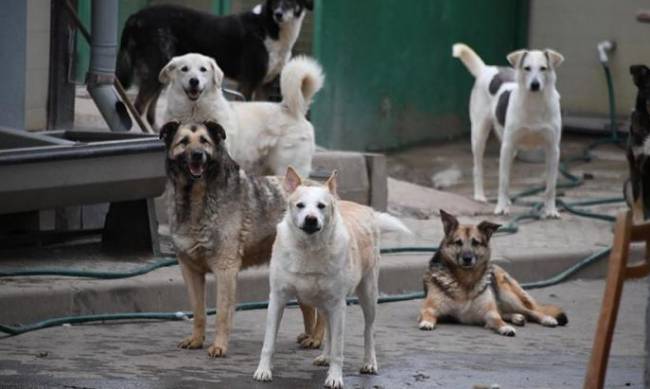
(264,138)
(325,249)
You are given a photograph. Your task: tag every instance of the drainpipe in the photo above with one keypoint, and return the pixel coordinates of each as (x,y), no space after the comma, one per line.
(101,73)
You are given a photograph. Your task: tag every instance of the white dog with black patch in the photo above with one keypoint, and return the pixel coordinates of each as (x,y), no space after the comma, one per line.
(264,138)
(325,249)
(522,105)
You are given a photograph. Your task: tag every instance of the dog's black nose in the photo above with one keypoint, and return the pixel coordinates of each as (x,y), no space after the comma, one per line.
(534,86)
(196,156)
(467,259)
(194,82)
(278,16)
(310,221)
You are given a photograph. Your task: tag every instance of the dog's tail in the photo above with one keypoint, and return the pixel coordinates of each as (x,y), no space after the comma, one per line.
(556,312)
(126,54)
(388,223)
(301,78)
(469,58)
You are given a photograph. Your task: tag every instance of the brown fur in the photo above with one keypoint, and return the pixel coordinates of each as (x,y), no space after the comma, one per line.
(460,275)
(221,221)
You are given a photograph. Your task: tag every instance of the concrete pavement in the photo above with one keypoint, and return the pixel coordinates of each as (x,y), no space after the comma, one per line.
(144,354)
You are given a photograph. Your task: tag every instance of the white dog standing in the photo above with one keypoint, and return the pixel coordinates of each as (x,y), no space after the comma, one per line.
(523,107)
(325,249)
(264,138)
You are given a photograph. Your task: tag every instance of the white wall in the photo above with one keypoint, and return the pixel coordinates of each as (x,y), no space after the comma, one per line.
(574,27)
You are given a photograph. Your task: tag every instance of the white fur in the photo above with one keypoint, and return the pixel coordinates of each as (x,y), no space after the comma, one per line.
(533,118)
(264,138)
(280,50)
(210,105)
(320,271)
(274,136)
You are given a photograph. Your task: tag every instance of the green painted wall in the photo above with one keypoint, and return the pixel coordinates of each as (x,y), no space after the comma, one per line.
(391,80)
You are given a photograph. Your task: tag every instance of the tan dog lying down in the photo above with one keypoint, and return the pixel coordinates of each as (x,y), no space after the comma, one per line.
(461,284)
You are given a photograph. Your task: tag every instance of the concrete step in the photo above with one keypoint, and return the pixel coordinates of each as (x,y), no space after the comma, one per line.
(28,299)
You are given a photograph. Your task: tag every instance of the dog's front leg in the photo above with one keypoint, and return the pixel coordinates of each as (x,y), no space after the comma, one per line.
(552,164)
(226,299)
(430,309)
(480,131)
(195,283)
(505,164)
(324,358)
(313,335)
(273,318)
(494,321)
(336,318)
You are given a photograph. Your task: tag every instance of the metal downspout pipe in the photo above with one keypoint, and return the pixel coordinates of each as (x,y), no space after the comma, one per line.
(101,73)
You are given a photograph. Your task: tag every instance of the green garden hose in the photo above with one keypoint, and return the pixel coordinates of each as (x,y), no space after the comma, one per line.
(510,228)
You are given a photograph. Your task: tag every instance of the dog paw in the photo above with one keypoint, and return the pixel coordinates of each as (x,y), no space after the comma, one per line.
(215,351)
(518,319)
(507,331)
(502,209)
(551,213)
(302,337)
(548,321)
(322,360)
(262,374)
(334,380)
(369,368)
(191,342)
(306,341)
(480,198)
(426,325)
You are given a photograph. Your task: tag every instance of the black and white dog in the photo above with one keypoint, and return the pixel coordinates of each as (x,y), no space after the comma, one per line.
(251,48)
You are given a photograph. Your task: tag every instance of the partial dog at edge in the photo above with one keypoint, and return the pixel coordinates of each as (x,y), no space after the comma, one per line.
(325,249)
(221,220)
(462,285)
(522,105)
(637,189)
(263,137)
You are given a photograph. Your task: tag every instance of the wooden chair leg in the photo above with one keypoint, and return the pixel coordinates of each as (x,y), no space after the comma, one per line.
(595,378)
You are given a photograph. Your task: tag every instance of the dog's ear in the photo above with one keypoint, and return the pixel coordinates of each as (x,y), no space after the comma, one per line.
(332,184)
(217,133)
(217,73)
(517,57)
(487,228)
(167,73)
(554,58)
(309,4)
(639,73)
(449,222)
(292,180)
(168,131)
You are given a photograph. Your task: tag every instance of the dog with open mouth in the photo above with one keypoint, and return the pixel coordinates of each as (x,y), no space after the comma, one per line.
(462,284)
(263,137)
(194,93)
(221,220)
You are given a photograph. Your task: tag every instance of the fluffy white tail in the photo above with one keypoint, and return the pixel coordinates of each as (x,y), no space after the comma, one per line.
(388,223)
(469,58)
(301,78)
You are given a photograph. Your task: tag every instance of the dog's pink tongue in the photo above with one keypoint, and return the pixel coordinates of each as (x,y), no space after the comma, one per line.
(196,169)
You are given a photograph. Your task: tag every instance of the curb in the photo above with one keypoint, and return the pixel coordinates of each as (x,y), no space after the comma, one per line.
(29,299)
